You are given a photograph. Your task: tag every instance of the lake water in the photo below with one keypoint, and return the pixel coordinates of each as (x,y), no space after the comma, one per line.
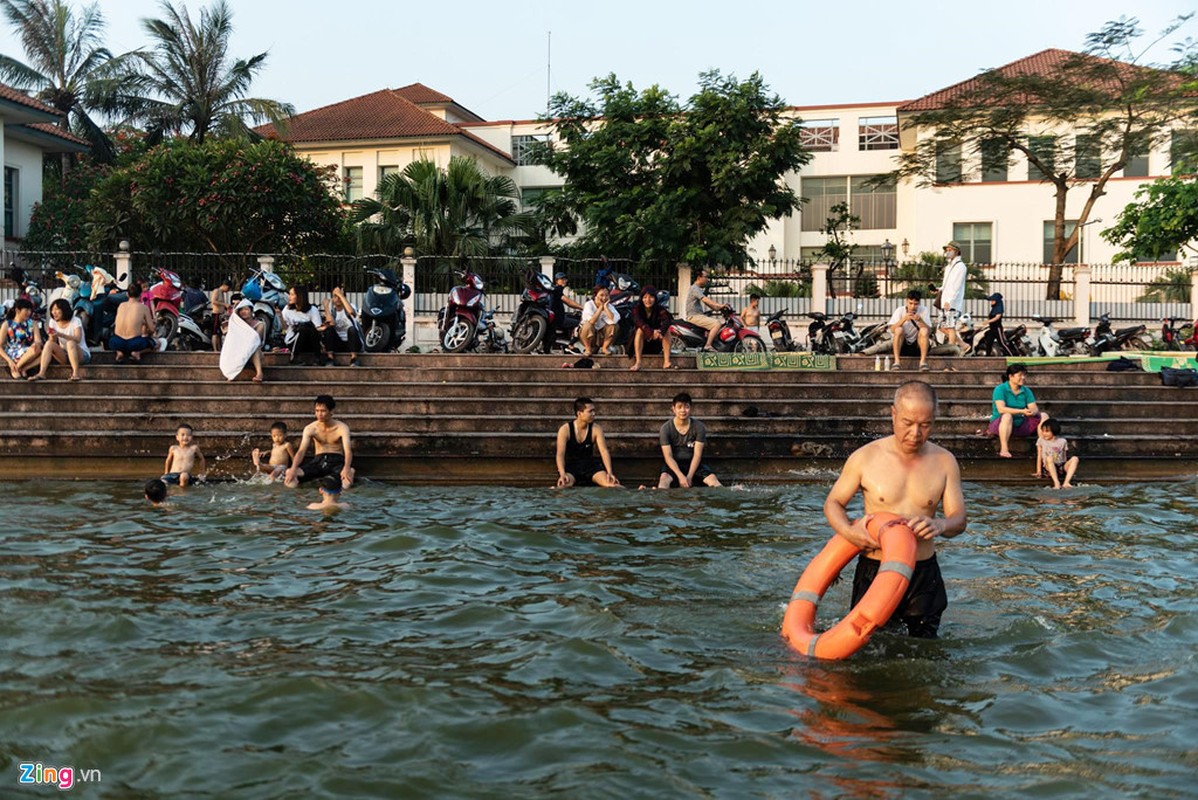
(492,642)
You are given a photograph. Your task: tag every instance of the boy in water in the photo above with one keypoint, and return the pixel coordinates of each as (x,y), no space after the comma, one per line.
(682,441)
(184,461)
(330,494)
(156,492)
(1052,453)
(281,453)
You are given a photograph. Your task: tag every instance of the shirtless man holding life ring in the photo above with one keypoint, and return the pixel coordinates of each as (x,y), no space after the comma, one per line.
(908,475)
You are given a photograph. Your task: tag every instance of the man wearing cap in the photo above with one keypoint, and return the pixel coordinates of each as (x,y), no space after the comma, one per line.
(952,292)
(911,328)
(994,336)
(651,326)
(557,305)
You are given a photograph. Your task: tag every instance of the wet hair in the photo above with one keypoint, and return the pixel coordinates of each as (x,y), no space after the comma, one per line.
(183,425)
(581,403)
(279,425)
(916,390)
(681,397)
(326,400)
(330,484)
(22,303)
(1014,369)
(301,299)
(915,294)
(1053,425)
(155,490)
(134,290)
(64,309)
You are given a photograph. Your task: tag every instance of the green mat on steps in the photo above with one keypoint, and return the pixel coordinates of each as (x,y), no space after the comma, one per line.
(765,361)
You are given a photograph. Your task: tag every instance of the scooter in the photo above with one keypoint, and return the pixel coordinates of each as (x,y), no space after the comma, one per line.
(163,299)
(1106,340)
(780,332)
(69,290)
(268,293)
(1065,342)
(1172,335)
(464,322)
(731,337)
(840,335)
(535,319)
(28,290)
(384,319)
(97,304)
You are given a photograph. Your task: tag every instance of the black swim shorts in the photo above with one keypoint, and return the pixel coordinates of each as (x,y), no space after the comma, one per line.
(700,474)
(583,470)
(923,603)
(322,465)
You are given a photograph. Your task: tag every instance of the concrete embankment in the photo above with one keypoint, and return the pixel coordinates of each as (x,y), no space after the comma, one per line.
(492,418)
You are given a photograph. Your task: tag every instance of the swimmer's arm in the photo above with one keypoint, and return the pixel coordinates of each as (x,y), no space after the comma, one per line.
(170,454)
(199,467)
(604,455)
(952,504)
(836,504)
(290,450)
(305,441)
(347,448)
(560,455)
(695,461)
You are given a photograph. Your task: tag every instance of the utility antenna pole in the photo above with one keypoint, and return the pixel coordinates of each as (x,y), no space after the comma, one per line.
(548,68)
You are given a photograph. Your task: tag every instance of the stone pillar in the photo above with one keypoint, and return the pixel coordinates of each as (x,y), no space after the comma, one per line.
(123,266)
(684,286)
(266,263)
(819,288)
(548,264)
(409,277)
(1081,294)
(1193,292)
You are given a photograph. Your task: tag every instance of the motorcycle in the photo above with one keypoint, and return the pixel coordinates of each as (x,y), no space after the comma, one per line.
(1172,334)
(731,337)
(1065,342)
(27,290)
(164,299)
(1106,340)
(535,318)
(96,307)
(268,293)
(384,319)
(69,290)
(464,323)
(780,332)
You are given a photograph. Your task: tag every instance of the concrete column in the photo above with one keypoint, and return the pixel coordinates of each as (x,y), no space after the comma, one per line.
(266,263)
(819,288)
(409,277)
(1081,294)
(684,286)
(548,264)
(123,266)
(1194,292)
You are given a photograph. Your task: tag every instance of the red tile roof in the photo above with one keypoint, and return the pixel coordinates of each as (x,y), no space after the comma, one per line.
(419,93)
(54,130)
(1045,63)
(16,96)
(385,114)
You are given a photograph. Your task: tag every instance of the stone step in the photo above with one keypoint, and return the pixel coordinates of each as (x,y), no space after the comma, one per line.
(195,407)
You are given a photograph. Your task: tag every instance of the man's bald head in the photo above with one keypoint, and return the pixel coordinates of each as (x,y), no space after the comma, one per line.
(917,392)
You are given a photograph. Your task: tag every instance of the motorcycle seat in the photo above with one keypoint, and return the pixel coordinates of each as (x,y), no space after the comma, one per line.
(1073,333)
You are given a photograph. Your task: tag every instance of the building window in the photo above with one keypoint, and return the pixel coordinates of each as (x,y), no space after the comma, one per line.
(820,135)
(1137,163)
(422,154)
(1183,152)
(976,241)
(353,184)
(874,204)
(1043,148)
(994,160)
(530,196)
(524,149)
(387,170)
(1074,255)
(1088,156)
(877,133)
(821,194)
(12,184)
(948,163)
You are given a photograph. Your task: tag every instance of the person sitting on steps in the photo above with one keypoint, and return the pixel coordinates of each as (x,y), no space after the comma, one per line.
(911,328)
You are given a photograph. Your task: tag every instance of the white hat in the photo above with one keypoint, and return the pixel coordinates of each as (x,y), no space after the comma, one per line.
(243,304)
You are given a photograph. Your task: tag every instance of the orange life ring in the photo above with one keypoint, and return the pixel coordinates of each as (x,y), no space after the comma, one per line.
(846,637)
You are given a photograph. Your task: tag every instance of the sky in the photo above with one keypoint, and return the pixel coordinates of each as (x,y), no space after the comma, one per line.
(500,59)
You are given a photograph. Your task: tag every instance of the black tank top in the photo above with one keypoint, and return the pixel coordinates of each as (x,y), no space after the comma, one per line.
(576,450)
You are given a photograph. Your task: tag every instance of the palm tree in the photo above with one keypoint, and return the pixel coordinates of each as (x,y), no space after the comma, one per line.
(188,69)
(460,211)
(68,67)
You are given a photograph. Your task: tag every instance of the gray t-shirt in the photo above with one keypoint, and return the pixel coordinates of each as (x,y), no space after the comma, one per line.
(683,446)
(694,301)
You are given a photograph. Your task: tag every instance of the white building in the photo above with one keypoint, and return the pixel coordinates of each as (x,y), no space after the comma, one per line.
(998,218)
(30,132)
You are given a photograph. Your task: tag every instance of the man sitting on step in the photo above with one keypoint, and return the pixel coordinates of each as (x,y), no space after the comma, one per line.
(911,327)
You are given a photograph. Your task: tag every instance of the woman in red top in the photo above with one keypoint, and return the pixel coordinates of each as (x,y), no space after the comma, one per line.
(651,329)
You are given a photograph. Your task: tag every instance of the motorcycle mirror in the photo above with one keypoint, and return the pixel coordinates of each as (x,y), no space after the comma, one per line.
(405,291)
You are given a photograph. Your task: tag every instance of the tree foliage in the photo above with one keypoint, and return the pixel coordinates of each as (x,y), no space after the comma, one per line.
(187,83)
(927,269)
(221,196)
(655,179)
(1076,125)
(459,211)
(1162,220)
(68,68)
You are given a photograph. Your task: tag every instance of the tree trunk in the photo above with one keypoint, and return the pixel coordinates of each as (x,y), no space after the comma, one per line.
(1059,243)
